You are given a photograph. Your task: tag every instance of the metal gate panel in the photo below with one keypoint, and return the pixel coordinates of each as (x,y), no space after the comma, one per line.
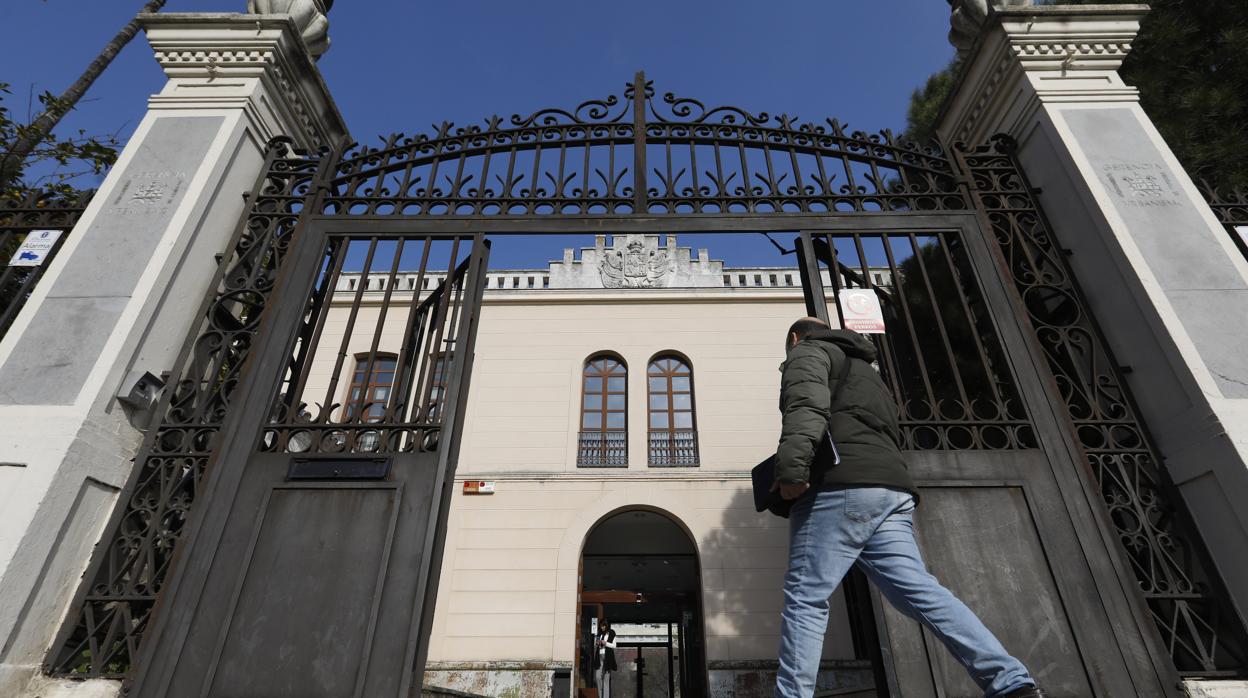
(307,441)
(129,566)
(1158,548)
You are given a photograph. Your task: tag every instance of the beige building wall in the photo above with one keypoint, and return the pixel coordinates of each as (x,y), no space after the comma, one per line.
(509,584)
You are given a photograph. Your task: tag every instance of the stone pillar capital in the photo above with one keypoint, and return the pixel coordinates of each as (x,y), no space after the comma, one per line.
(257,63)
(1026,56)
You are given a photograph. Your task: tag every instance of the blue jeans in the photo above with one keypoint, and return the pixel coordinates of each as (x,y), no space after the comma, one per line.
(874,527)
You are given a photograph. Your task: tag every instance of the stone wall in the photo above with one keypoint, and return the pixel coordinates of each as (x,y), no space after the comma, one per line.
(489,679)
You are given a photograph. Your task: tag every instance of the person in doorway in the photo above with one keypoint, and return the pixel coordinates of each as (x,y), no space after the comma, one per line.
(860,510)
(604,659)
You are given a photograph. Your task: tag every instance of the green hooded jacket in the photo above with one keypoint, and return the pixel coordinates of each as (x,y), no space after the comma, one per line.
(864,427)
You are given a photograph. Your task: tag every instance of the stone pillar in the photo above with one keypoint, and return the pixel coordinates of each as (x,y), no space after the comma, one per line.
(1167,284)
(121,296)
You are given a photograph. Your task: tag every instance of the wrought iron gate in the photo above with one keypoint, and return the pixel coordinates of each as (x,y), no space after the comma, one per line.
(1015,344)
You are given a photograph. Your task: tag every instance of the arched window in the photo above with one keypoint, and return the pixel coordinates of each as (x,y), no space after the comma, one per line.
(673,427)
(604,413)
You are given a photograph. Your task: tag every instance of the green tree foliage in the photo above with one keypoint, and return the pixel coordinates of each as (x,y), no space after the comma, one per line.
(926,101)
(25,144)
(62,159)
(1190,63)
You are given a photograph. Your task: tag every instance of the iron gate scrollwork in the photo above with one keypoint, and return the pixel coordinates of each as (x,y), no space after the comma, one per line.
(599,159)
(1191,613)
(1231,208)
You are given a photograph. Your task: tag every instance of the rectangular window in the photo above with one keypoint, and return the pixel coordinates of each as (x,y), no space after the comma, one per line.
(368,395)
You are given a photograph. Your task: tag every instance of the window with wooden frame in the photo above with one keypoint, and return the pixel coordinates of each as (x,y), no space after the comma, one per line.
(604,413)
(369,394)
(670,407)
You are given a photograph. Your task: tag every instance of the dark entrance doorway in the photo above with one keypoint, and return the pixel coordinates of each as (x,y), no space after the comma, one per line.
(639,572)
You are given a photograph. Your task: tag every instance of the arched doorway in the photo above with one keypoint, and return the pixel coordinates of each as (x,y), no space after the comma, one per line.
(640,573)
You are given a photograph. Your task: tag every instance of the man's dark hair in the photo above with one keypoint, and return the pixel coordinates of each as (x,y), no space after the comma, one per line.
(802,328)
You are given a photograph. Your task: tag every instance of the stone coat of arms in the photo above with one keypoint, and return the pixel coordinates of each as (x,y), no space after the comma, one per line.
(634,266)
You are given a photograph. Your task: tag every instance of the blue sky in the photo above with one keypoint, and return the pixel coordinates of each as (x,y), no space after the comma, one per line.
(403,65)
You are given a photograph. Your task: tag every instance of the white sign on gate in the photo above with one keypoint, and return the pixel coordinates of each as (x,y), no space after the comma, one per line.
(861,311)
(35,248)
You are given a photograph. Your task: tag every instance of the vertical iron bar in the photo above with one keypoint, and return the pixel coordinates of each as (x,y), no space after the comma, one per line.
(970,320)
(850,182)
(459,180)
(693,171)
(585,197)
(325,301)
(904,305)
(484,181)
(430,370)
(639,142)
(799,192)
(771,174)
(824,182)
(378,328)
(885,342)
(346,334)
(834,275)
(610,184)
(507,193)
(720,182)
(746,184)
(558,193)
(671,182)
(812,281)
(940,320)
(535,182)
(396,407)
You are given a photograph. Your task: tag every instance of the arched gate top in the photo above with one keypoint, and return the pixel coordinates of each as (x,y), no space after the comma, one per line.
(641,154)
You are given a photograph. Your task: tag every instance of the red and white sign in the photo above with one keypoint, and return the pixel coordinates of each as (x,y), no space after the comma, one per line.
(861,311)
(478,487)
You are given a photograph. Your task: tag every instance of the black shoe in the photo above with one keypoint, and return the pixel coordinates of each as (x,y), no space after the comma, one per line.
(1028,692)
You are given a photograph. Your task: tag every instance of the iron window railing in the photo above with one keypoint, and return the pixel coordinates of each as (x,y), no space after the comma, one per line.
(674,448)
(602,449)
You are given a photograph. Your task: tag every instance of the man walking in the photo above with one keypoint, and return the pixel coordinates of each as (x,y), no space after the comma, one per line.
(861,510)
